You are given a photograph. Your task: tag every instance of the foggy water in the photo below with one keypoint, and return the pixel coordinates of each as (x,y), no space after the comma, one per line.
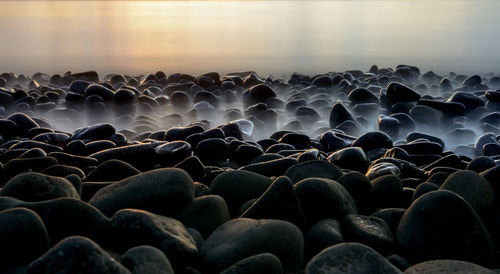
(276,37)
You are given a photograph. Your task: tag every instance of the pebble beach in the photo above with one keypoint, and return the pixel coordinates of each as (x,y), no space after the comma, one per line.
(385,170)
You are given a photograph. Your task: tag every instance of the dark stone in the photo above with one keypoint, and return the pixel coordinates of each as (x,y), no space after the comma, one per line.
(331,142)
(473,188)
(95,132)
(63,171)
(73,160)
(442,225)
(264,263)
(424,188)
(76,254)
(323,198)
(163,191)
(228,185)
(242,237)
(193,166)
(361,96)
(391,216)
(353,158)
(397,92)
(244,154)
(112,170)
(95,89)
(33,187)
(278,202)
(321,235)
(212,151)
(23,236)
(447,266)
(412,136)
(314,168)
(146,259)
(369,230)
(339,114)
(29,144)
(204,214)
(257,94)
(373,140)
(323,81)
(140,156)
(349,257)
(172,153)
(130,228)
(100,145)
(271,168)
(386,190)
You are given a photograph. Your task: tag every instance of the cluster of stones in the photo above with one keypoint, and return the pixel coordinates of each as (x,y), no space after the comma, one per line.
(385,171)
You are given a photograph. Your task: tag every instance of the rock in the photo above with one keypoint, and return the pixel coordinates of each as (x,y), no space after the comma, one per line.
(74,160)
(257,94)
(112,170)
(204,214)
(424,231)
(397,92)
(76,254)
(321,235)
(349,257)
(339,114)
(140,156)
(313,168)
(359,187)
(163,191)
(23,123)
(265,263)
(323,198)
(242,237)
(63,171)
(229,184)
(424,188)
(130,227)
(331,142)
(492,175)
(426,116)
(194,167)
(146,259)
(382,168)
(278,202)
(362,96)
(391,216)
(212,151)
(323,81)
(472,81)
(33,187)
(447,266)
(29,144)
(23,236)
(172,153)
(271,168)
(353,158)
(373,140)
(473,188)
(95,89)
(95,132)
(369,230)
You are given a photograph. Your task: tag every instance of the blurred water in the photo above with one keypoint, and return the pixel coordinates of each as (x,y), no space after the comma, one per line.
(276,37)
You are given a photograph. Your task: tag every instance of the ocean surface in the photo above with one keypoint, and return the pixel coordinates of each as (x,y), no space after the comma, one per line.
(277,37)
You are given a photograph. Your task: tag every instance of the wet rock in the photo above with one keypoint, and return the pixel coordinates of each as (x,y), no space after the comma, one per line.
(353,158)
(76,254)
(243,237)
(349,257)
(447,266)
(373,140)
(164,191)
(33,187)
(265,263)
(397,92)
(146,259)
(339,114)
(313,168)
(424,231)
(112,170)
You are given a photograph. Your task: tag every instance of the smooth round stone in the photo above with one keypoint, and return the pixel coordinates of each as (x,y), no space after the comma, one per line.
(492,175)
(322,81)
(276,148)
(331,142)
(8,128)
(141,156)
(362,96)
(76,254)
(426,116)
(447,266)
(146,259)
(229,184)
(323,198)
(264,263)
(474,188)
(63,171)
(112,170)
(295,139)
(73,160)
(424,231)
(397,92)
(131,227)
(194,167)
(369,230)
(241,238)
(386,190)
(412,136)
(180,99)
(481,141)
(359,187)
(372,140)
(244,154)
(460,136)
(278,202)
(124,96)
(33,153)
(349,257)
(212,151)
(95,132)
(391,216)
(163,191)
(321,235)
(271,168)
(339,114)
(172,153)
(469,100)
(353,158)
(204,214)
(29,144)
(95,89)
(16,166)
(472,81)
(449,109)
(100,145)
(65,217)
(257,94)
(424,188)
(32,186)
(492,96)
(23,122)
(313,168)
(380,169)
(23,236)
(422,147)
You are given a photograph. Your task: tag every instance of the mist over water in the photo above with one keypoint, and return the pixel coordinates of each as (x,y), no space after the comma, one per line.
(270,37)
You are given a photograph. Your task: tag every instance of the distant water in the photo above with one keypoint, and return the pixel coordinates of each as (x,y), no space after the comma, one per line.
(276,37)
